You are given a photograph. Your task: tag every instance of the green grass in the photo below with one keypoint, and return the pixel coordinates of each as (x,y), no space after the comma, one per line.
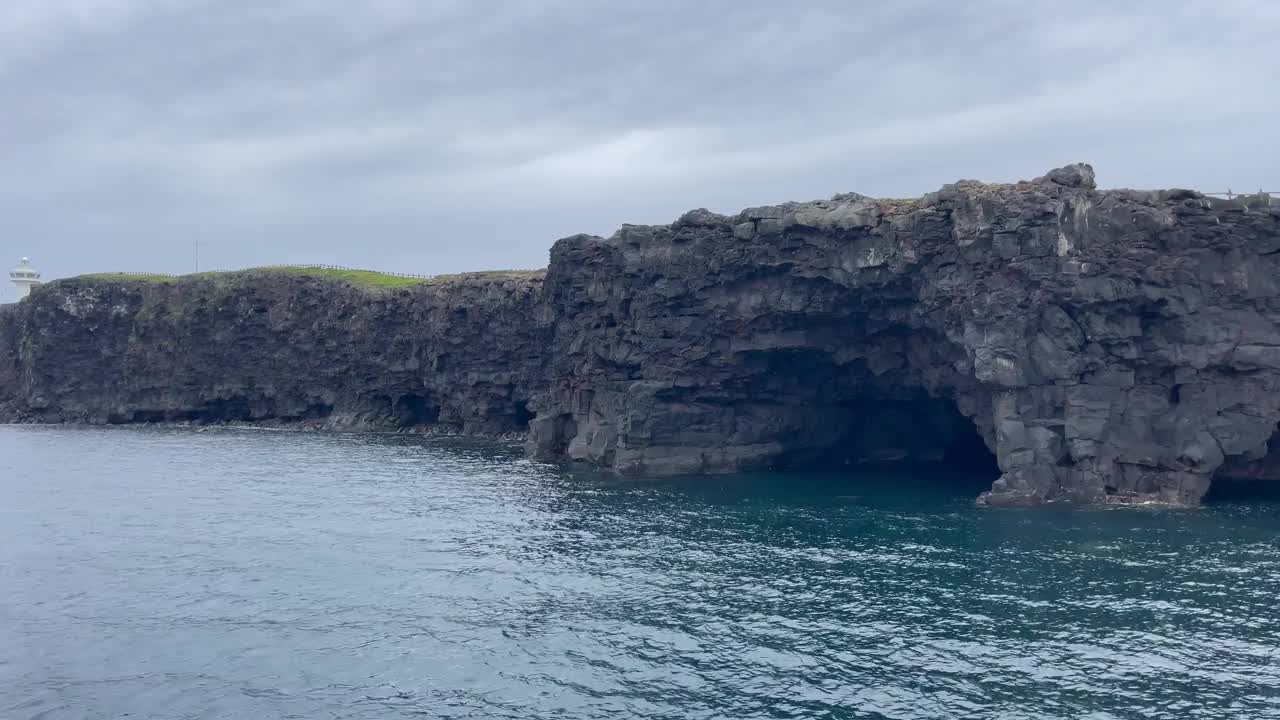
(138,277)
(374,279)
(359,278)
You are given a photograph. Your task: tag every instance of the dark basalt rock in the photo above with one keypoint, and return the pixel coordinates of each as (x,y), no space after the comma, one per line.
(276,347)
(1108,346)
(1116,346)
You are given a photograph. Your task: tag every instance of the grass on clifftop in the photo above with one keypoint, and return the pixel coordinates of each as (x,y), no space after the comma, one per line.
(374,279)
(360,278)
(138,277)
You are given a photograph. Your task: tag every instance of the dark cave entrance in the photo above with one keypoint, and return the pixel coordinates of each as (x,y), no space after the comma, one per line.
(921,431)
(830,416)
(232,409)
(523,416)
(412,410)
(1240,480)
(1226,489)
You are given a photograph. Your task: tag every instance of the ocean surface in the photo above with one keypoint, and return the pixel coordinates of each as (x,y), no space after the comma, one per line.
(168,573)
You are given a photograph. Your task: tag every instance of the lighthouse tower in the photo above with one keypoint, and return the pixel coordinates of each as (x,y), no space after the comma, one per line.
(24,277)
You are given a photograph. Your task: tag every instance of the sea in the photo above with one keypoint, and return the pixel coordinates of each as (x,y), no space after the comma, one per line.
(233,573)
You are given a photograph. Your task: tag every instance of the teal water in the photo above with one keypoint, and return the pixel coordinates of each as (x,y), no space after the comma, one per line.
(150,573)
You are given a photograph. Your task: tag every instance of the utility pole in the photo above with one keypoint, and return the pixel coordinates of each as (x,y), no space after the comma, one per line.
(197,253)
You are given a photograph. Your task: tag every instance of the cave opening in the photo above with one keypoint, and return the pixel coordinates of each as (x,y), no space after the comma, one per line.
(412,410)
(1228,489)
(831,416)
(967,452)
(887,433)
(523,415)
(1248,480)
(232,409)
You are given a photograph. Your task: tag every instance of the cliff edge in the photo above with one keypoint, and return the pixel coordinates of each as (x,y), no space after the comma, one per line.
(1099,346)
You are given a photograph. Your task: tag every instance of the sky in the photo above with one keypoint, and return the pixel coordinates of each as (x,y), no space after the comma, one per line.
(440,136)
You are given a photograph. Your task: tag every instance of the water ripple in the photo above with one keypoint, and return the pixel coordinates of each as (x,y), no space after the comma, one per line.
(228,574)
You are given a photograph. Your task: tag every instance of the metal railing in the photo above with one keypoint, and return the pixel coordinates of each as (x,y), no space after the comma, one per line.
(1231,195)
(337,267)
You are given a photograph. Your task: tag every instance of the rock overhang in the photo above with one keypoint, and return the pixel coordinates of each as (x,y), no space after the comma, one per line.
(1063,319)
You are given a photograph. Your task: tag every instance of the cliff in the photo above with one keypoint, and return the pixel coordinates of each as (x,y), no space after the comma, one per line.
(462,354)
(1115,346)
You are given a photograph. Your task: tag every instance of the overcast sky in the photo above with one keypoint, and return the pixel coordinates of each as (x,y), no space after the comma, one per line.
(436,136)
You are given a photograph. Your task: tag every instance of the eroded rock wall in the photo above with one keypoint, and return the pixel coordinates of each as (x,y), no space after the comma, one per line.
(267,347)
(1108,346)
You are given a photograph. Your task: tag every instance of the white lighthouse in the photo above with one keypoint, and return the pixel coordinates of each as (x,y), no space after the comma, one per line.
(24,277)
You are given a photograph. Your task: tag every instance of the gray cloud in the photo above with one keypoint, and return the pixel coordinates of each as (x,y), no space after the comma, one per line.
(469,134)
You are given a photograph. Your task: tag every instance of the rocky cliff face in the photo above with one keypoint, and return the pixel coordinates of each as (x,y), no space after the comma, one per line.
(460,355)
(1105,345)
(1099,346)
